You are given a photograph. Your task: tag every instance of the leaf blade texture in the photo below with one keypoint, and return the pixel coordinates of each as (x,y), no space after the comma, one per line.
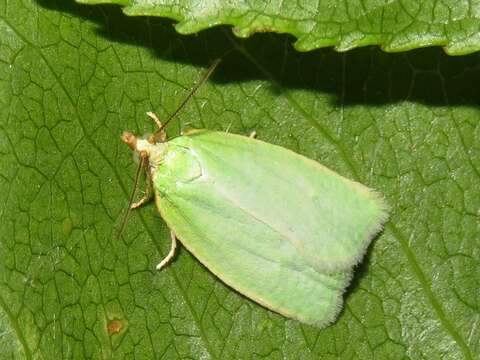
(73,78)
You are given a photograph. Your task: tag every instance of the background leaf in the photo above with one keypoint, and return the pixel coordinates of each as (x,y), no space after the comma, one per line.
(394,25)
(73,77)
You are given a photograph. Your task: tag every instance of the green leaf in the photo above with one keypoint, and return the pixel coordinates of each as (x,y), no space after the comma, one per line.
(73,77)
(393,25)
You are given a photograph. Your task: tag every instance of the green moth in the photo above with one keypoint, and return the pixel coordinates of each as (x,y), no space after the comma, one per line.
(280,228)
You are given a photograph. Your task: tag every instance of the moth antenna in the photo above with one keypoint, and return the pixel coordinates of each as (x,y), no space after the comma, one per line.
(132,196)
(202,80)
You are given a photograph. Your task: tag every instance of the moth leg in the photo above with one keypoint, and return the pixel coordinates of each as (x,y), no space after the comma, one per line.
(253,135)
(147,196)
(170,254)
(155,118)
(162,134)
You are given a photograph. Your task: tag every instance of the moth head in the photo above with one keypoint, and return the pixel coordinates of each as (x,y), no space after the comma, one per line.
(130,139)
(141,146)
(147,149)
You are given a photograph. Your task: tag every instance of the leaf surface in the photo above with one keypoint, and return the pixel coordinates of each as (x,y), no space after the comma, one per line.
(73,77)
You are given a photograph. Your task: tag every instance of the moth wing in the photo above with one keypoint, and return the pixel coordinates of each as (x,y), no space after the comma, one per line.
(278,227)
(330,220)
(251,257)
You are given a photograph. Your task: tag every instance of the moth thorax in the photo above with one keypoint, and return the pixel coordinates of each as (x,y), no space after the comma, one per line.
(155,152)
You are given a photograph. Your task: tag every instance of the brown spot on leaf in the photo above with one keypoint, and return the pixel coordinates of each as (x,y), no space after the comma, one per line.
(114,326)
